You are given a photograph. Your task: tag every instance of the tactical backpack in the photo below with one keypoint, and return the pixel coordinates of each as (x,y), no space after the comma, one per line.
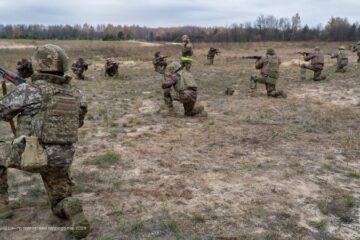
(273,67)
(58,119)
(187,81)
(318,59)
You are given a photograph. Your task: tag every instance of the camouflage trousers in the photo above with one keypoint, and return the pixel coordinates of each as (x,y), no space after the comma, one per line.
(210,61)
(80,75)
(341,68)
(55,175)
(317,72)
(112,72)
(188,99)
(168,98)
(270,88)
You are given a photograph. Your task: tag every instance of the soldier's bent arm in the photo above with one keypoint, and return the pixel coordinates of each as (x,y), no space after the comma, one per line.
(25,99)
(260,63)
(308,57)
(170,81)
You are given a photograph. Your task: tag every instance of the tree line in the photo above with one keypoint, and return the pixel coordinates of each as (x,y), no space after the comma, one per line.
(264,28)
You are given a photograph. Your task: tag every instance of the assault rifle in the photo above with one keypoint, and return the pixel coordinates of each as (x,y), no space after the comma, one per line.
(16,80)
(303,53)
(11,77)
(252,57)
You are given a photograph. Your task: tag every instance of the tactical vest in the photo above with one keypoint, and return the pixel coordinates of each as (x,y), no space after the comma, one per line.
(57,121)
(342,57)
(186,81)
(318,59)
(272,67)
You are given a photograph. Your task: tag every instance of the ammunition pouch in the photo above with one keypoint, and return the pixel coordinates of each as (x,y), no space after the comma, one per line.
(34,157)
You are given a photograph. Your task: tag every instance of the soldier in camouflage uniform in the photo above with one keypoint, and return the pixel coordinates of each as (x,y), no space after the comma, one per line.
(317,62)
(79,67)
(186,52)
(49,112)
(269,66)
(24,68)
(356,48)
(342,59)
(111,68)
(185,87)
(159,62)
(211,55)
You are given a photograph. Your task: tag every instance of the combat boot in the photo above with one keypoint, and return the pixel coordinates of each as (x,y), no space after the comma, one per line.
(72,209)
(199,110)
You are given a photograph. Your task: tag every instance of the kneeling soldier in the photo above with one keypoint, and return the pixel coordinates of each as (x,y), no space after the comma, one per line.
(342,59)
(185,86)
(269,66)
(49,112)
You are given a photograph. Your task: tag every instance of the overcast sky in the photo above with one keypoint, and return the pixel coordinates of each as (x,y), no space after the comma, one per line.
(165,13)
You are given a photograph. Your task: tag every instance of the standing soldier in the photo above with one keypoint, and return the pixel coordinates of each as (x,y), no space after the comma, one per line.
(316,64)
(159,62)
(356,48)
(211,55)
(341,59)
(24,68)
(79,67)
(185,86)
(269,66)
(186,52)
(111,68)
(49,112)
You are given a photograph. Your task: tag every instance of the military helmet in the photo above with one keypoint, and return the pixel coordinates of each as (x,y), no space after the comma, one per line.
(81,60)
(317,48)
(50,58)
(341,48)
(157,54)
(172,67)
(185,38)
(270,51)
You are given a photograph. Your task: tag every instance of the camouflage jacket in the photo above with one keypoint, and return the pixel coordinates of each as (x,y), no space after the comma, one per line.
(264,66)
(26,101)
(159,64)
(78,67)
(212,52)
(341,56)
(316,58)
(181,81)
(356,48)
(187,50)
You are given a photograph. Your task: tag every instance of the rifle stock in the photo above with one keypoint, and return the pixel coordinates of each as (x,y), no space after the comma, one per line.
(16,80)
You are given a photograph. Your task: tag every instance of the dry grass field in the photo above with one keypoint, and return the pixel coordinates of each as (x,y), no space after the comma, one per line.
(256,168)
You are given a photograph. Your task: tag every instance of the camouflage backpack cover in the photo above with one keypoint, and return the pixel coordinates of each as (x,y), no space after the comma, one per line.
(272,68)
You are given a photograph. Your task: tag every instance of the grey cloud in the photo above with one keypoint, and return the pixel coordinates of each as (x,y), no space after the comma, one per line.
(171,13)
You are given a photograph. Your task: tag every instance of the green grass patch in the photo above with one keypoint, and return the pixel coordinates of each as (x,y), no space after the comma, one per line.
(105,160)
(353,174)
